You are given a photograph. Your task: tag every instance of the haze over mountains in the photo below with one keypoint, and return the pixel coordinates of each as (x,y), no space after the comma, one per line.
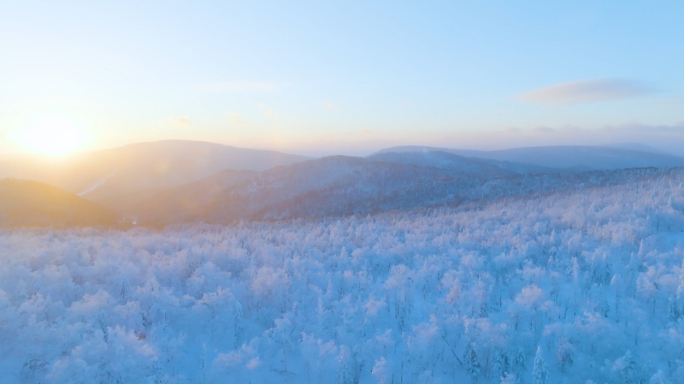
(25,203)
(184,181)
(140,167)
(433,157)
(340,186)
(567,158)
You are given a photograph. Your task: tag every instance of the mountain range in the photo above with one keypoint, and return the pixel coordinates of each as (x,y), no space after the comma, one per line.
(564,158)
(140,167)
(167,182)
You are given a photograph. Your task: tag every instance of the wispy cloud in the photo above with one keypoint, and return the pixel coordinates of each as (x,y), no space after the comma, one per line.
(544,129)
(329,106)
(667,138)
(181,121)
(240,86)
(268,111)
(584,91)
(235,120)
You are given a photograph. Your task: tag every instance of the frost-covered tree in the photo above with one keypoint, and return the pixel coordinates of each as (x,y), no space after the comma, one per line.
(659,378)
(508,378)
(501,365)
(520,365)
(564,355)
(472,363)
(627,368)
(381,371)
(103,322)
(238,326)
(540,373)
(345,374)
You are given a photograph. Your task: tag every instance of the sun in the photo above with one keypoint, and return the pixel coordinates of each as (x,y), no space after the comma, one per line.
(52,135)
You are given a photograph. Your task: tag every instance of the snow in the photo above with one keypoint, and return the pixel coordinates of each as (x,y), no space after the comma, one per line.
(583,286)
(98,184)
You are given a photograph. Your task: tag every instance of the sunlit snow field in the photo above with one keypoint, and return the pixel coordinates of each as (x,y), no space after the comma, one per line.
(578,286)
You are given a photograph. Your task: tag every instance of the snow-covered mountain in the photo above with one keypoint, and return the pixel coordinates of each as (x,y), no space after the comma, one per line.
(181,203)
(25,203)
(320,187)
(136,170)
(340,186)
(176,181)
(446,160)
(568,158)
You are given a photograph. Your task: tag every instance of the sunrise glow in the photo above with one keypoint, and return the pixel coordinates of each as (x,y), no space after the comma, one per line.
(52,135)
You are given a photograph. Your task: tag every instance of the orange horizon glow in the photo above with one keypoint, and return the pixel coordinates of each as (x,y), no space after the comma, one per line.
(52,135)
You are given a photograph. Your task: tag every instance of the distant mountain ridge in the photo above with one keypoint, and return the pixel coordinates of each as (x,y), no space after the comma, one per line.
(172,182)
(447,160)
(137,168)
(566,158)
(340,185)
(636,147)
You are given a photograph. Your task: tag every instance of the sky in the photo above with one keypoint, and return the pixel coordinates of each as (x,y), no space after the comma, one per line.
(346,77)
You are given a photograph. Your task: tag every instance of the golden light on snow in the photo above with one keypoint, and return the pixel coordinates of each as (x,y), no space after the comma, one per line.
(52,135)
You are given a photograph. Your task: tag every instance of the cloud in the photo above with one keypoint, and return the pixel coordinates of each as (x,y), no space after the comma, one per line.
(544,129)
(240,86)
(584,91)
(181,121)
(235,120)
(268,111)
(329,106)
(667,138)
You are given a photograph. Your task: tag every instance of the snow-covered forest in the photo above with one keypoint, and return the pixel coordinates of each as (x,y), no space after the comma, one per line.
(576,287)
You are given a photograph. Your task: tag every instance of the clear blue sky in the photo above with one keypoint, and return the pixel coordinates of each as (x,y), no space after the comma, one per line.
(347,77)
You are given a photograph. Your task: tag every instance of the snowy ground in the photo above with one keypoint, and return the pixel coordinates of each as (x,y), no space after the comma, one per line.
(582,287)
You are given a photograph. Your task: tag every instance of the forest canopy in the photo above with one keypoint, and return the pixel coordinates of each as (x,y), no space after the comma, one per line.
(584,286)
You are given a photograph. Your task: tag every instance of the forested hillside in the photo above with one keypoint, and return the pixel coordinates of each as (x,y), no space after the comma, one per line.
(584,286)
(342,185)
(26,203)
